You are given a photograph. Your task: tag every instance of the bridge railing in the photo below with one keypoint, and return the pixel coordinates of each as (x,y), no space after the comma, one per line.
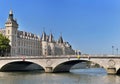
(63,56)
(103,55)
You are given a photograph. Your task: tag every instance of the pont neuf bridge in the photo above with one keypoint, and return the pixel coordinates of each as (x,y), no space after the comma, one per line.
(110,63)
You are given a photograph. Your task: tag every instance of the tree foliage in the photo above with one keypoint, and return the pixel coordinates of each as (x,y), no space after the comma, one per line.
(4,45)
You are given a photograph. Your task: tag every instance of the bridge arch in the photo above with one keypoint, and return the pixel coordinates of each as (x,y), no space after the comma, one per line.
(21,66)
(118,71)
(66,66)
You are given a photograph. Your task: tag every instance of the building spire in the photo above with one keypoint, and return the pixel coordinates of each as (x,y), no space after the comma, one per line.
(10,15)
(11,12)
(51,38)
(60,40)
(43,36)
(11,19)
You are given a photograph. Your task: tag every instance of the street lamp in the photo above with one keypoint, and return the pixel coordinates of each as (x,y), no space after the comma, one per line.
(112,50)
(117,50)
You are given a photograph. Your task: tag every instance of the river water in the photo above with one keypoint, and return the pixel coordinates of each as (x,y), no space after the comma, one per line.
(77,76)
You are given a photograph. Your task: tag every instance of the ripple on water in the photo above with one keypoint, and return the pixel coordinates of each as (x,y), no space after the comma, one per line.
(90,71)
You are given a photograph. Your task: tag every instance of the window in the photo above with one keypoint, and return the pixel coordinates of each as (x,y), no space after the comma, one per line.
(15,31)
(8,31)
(18,50)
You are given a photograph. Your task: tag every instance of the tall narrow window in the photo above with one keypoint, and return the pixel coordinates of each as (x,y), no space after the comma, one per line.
(15,31)
(8,31)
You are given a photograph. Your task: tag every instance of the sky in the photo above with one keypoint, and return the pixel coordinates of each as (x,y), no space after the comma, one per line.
(91,26)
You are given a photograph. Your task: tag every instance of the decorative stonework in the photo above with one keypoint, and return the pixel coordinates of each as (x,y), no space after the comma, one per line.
(48,62)
(111,63)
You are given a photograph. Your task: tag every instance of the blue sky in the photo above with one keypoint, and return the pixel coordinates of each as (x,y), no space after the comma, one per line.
(92,26)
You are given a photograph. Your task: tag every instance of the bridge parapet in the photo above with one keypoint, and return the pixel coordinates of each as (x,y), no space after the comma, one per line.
(103,55)
(82,55)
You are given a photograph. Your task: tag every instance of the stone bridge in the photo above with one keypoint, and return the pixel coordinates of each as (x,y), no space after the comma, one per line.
(110,63)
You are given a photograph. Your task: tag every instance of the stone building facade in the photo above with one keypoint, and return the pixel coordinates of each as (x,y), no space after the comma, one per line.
(29,44)
(52,47)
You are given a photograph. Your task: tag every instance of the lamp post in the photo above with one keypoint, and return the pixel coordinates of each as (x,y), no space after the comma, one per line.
(112,50)
(117,50)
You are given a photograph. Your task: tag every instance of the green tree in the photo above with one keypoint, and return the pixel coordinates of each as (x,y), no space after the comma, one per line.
(4,46)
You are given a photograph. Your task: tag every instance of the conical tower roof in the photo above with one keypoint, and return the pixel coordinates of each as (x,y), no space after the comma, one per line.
(51,38)
(43,36)
(60,40)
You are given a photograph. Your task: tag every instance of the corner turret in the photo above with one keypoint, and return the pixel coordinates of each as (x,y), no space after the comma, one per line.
(51,39)
(43,38)
(60,40)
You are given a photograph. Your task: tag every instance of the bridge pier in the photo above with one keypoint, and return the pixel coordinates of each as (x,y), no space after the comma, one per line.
(48,69)
(111,71)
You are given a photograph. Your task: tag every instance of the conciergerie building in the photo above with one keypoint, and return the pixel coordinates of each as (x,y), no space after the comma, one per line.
(28,44)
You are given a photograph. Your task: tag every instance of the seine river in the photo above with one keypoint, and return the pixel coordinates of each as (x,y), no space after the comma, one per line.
(77,76)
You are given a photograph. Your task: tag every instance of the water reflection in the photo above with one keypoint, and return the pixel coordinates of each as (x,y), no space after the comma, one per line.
(79,76)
